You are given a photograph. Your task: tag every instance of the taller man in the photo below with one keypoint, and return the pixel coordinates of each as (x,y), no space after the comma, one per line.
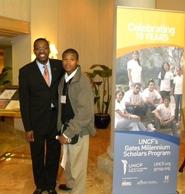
(38,84)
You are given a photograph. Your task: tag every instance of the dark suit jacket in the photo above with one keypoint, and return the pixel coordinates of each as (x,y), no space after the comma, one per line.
(36,97)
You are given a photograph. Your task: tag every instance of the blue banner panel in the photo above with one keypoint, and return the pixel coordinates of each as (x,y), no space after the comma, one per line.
(145,163)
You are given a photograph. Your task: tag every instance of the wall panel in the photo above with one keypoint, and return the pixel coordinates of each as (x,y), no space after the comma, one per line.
(17,9)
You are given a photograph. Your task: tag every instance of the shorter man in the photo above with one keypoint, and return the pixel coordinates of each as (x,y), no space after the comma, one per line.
(151,98)
(134,102)
(165,116)
(75,119)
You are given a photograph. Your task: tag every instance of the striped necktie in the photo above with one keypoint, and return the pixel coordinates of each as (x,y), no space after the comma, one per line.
(46,75)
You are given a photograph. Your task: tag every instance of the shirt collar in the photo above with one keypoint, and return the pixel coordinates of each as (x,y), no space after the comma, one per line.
(42,65)
(68,77)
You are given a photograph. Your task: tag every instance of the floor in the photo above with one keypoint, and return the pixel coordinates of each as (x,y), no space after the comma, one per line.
(15,163)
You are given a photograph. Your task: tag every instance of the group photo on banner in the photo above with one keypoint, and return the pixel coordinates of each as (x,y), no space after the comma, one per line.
(148,100)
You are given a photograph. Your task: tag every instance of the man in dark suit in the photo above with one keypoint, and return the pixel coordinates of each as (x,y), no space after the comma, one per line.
(38,84)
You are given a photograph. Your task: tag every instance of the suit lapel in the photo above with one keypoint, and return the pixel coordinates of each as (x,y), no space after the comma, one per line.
(53,71)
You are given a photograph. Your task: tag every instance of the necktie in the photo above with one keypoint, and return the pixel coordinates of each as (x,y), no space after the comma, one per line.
(46,75)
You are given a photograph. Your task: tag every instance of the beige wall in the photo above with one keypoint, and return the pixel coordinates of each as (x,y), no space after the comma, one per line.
(44,20)
(106,32)
(20,55)
(86,25)
(78,28)
(17,9)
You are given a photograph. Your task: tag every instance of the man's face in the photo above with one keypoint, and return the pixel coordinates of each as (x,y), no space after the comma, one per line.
(70,62)
(136,89)
(166,67)
(135,56)
(41,51)
(178,70)
(151,86)
(119,96)
(166,102)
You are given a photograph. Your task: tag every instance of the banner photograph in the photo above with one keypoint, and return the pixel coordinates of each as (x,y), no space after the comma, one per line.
(148,100)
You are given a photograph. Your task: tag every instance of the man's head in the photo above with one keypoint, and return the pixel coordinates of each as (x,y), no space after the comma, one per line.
(166,100)
(135,55)
(136,88)
(151,85)
(166,66)
(119,95)
(178,70)
(41,50)
(70,60)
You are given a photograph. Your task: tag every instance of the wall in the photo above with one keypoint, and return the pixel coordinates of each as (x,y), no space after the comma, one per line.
(82,26)
(78,28)
(106,15)
(17,9)
(44,20)
(21,54)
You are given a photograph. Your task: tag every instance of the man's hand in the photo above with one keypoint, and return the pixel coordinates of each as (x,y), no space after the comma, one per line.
(165,122)
(135,117)
(29,136)
(62,139)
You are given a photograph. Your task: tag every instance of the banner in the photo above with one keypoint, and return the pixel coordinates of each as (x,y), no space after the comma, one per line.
(148,100)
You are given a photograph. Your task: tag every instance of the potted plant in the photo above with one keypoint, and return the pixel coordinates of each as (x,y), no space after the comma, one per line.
(100,79)
(4,77)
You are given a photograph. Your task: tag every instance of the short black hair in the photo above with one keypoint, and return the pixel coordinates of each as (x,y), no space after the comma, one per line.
(167,97)
(137,84)
(151,81)
(40,39)
(119,91)
(70,51)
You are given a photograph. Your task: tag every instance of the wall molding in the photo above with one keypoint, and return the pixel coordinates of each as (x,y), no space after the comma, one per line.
(12,27)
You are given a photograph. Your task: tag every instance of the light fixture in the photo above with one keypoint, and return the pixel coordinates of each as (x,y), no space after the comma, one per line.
(53,51)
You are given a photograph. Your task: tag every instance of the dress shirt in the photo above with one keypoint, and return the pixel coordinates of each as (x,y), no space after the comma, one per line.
(41,68)
(68,77)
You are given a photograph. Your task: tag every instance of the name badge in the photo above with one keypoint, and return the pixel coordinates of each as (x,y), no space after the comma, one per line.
(63,99)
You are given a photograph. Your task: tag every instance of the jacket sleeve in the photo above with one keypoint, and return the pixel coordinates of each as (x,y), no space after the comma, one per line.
(24,100)
(59,122)
(83,108)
